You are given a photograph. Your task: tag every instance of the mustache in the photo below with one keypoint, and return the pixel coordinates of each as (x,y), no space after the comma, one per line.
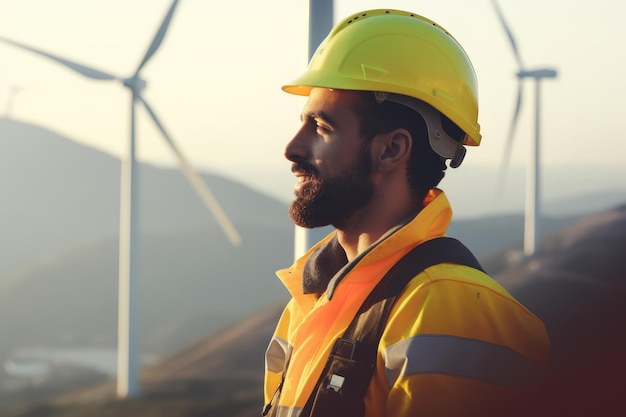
(304,168)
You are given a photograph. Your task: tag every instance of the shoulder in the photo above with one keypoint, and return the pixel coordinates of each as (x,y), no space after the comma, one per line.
(463,302)
(457,289)
(456,327)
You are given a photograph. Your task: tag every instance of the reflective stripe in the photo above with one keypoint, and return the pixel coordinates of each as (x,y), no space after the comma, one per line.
(460,357)
(284,411)
(275,354)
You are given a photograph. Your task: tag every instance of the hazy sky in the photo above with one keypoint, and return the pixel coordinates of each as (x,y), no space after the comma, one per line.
(215,82)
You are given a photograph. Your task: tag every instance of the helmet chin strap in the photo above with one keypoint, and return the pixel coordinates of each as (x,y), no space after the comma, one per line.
(444,145)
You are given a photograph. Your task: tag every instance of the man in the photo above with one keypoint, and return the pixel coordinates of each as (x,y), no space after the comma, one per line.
(391,97)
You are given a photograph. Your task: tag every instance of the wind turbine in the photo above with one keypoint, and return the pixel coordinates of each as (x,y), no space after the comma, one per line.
(532,213)
(128,351)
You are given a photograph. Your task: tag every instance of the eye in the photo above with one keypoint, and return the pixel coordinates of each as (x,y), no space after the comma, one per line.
(321,128)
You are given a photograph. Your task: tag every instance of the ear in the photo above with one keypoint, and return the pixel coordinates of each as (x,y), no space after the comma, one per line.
(392,149)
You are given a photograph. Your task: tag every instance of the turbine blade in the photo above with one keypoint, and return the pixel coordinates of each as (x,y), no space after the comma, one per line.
(197,182)
(508,32)
(81,69)
(504,166)
(158,38)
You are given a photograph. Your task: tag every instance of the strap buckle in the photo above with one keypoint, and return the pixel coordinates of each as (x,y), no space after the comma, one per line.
(346,348)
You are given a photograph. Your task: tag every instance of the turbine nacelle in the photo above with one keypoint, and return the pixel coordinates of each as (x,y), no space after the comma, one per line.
(538,73)
(135,83)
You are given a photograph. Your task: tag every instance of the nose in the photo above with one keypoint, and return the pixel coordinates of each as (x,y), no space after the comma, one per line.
(298,148)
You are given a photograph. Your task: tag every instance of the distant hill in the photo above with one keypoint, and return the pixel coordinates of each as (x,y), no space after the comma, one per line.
(566,189)
(487,236)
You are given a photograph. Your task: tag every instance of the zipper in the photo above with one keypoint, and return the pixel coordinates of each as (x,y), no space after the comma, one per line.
(269,405)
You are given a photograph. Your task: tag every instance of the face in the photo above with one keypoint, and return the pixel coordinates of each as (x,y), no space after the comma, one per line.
(331,161)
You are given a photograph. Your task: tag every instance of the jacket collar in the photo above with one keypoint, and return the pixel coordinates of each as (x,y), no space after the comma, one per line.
(325,264)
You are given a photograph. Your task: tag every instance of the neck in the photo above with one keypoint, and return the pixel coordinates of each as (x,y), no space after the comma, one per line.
(371,222)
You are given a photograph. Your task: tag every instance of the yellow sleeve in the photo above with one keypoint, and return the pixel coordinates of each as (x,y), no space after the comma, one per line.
(456,343)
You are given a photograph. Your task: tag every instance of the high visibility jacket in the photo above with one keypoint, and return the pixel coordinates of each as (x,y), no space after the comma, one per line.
(455,343)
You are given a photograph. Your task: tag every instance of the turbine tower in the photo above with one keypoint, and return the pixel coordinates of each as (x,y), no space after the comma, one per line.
(128,350)
(320,23)
(11,100)
(532,213)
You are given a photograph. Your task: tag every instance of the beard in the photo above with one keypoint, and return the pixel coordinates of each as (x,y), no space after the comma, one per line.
(333,201)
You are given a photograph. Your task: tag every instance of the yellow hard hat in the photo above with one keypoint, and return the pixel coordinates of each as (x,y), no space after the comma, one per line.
(401,53)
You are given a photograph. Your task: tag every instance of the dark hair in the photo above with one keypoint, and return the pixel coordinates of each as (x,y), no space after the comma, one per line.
(425,168)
